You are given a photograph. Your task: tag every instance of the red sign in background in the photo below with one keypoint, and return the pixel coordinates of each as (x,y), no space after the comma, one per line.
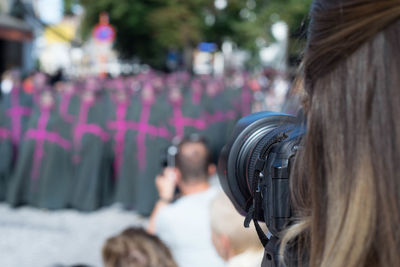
(104,33)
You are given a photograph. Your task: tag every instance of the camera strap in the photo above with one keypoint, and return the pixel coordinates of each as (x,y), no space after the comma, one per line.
(255,207)
(252,213)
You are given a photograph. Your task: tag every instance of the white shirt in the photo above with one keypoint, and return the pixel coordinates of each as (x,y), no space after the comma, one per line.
(249,258)
(184,226)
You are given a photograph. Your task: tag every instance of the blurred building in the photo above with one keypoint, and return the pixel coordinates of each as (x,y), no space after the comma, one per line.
(16,37)
(56,44)
(57,37)
(35,33)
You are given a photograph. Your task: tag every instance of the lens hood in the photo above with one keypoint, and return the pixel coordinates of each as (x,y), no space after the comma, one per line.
(237,157)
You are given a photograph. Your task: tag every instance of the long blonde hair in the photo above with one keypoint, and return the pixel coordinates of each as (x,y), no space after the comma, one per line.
(346,181)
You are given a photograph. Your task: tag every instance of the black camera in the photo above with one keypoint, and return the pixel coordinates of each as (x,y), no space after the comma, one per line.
(254,170)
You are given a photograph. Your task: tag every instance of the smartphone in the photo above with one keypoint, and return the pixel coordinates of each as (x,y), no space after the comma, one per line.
(171,155)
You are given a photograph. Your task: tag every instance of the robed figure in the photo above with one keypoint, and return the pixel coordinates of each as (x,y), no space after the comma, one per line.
(92,158)
(185,118)
(18,108)
(6,154)
(152,140)
(68,102)
(220,115)
(42,175)
(122,124)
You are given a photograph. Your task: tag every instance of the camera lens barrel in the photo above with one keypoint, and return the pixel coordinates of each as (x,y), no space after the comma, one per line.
(258,157)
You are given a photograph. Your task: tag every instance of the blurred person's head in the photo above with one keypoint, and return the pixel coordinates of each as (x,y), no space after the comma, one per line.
(148,92)
(68,88)
(229,236)
(193,160)
(47,99)
(134,247)
(346,181)
(40,80)
(175,94)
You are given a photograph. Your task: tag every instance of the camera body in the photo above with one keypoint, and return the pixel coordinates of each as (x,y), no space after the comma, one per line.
(254,170)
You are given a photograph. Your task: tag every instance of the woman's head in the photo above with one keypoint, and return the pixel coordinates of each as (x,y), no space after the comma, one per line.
(134,247)
(346,182)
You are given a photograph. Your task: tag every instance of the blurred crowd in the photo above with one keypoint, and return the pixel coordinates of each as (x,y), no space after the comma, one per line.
(89,142)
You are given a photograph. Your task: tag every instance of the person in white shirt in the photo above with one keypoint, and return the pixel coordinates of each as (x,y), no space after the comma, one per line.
(184,224)
(237,245)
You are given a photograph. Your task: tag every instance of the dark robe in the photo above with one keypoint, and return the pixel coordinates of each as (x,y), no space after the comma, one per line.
(42,176)
(246,100)
(152,141)
(93,184)
(122,125)
(6,155)
(68,106)
(221,117)
(18,108)
(186,118)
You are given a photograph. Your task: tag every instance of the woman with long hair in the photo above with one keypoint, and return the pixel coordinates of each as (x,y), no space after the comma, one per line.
(346,182)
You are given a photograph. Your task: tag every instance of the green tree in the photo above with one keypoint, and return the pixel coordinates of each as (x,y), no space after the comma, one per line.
(147,29)
(68,6)
(133,33)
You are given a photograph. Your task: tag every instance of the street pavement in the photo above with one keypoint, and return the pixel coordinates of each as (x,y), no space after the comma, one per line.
(41,238)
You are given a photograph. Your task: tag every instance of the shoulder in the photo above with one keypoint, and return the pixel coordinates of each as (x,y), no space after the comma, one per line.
(211,193)
(202,198)
(250,258)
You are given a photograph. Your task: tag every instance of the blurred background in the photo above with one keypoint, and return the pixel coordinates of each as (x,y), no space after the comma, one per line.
(70,68)
(202,36)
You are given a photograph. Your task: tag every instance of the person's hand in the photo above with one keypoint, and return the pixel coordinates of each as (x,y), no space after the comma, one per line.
(166,183)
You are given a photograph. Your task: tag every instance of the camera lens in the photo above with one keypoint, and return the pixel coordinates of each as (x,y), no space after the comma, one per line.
(238,159)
